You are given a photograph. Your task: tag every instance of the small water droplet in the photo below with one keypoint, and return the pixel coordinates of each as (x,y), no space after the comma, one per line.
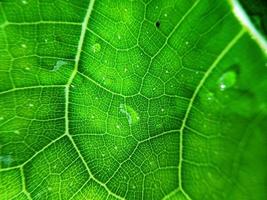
(130,113)
(27,68)
(1,118)
(186,42)
(24,2)
(117,126)
(96,47)
(227,80)
(30,105)
(165,15)
(6,160)
(156,7)
(24,46)
(59,64)
(162,109)
(16,132)
(119,37)
(116,148)
(210,96)
(46,40)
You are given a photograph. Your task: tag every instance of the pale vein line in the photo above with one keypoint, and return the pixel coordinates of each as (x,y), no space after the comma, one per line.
(201,83)
(32,87)
(67,91)
(38,23)
(23,182)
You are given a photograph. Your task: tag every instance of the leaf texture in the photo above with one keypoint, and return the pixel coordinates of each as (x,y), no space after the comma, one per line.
(130,99)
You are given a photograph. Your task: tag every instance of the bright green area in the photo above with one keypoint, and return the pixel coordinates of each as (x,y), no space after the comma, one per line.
(130,99)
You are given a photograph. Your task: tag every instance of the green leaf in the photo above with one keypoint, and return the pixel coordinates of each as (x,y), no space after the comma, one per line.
(131,99)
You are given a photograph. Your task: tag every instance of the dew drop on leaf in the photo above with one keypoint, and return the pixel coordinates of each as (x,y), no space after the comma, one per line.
(5,160)
(59,64)
(24,2)
(227,80)
(24,46)
(130,113)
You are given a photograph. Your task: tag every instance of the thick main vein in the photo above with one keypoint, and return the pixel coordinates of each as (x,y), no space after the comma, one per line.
(201,83)
(67,91)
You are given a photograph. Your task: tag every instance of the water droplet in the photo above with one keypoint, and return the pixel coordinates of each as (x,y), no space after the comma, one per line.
(162,109)
(210,96)
(116,148)
(27,68)
(130,113)
(24,2)
(117,126)
(119,37)
(6,160)
(227,80)
(165,15)
(96,47)
(59,64)
(24,46)
(30,105)
(46,40)
(125,9)
(156,7)
(16,132)
(1,118)
(186,42)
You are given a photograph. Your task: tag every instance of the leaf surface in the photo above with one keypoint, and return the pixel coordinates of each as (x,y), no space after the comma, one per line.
(159,99)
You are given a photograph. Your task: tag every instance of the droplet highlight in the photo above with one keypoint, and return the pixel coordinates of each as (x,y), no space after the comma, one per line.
(227,80)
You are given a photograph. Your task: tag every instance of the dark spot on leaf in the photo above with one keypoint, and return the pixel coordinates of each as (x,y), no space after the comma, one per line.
(158,24)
